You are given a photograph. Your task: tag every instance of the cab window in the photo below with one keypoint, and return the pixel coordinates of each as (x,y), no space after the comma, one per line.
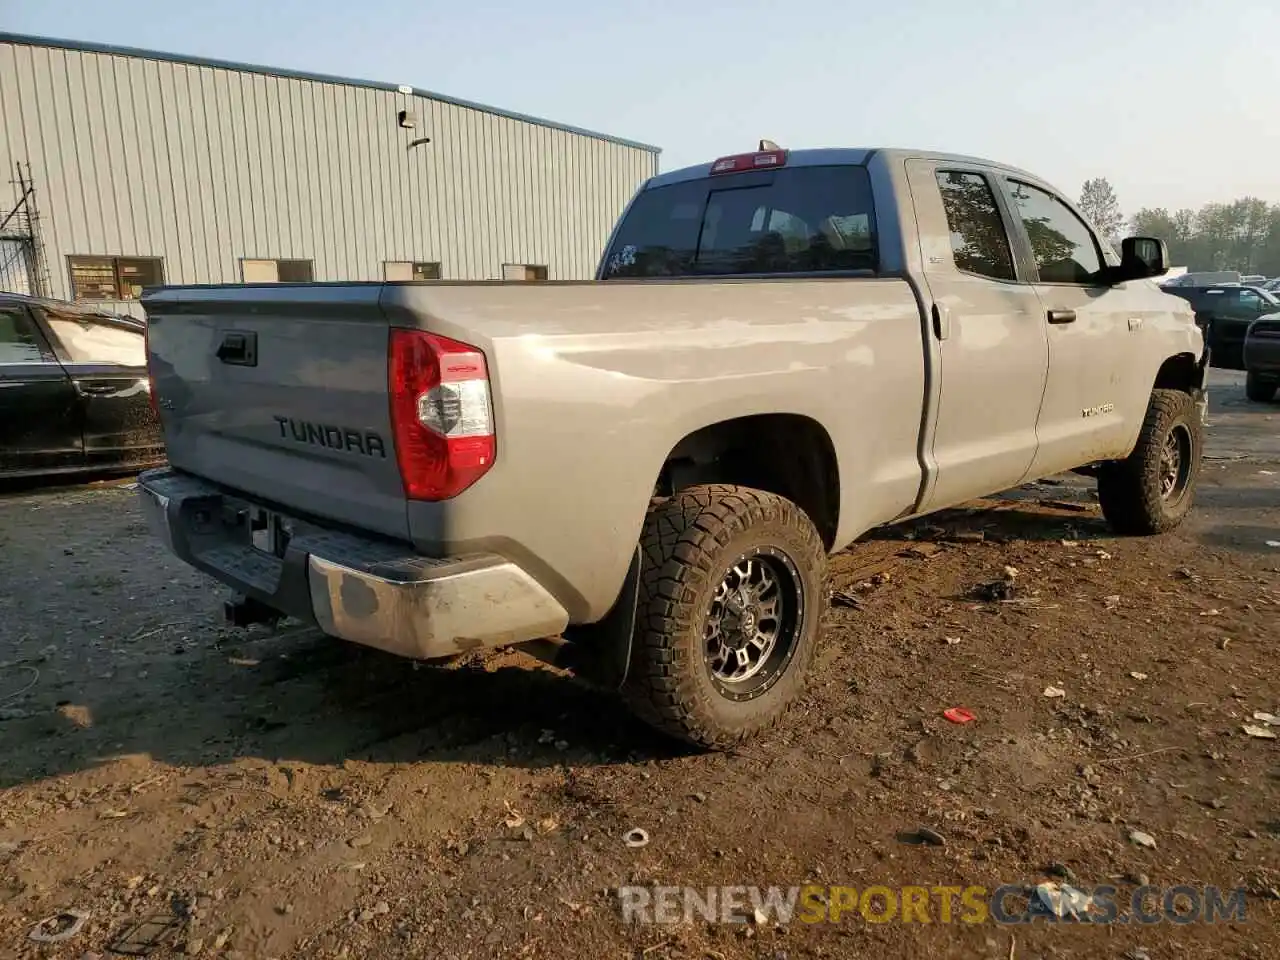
(979,244)
(1065,249)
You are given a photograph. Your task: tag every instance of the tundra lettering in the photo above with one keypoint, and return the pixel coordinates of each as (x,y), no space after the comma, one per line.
(640,477)
(335,438)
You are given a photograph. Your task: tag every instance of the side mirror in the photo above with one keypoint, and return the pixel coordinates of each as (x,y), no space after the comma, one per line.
(1143,257)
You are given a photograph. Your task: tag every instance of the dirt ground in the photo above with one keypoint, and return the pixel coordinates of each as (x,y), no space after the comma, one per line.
(283,795)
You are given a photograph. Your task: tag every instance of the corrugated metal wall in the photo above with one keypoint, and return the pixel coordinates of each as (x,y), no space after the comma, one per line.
(203,166)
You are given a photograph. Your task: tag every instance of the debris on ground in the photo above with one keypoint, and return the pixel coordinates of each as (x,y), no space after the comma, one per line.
(923,551)
(636,837)
(1054,693)
(1140,839)
(59,927)
(960,715)
(1137,676)
(1259,733)
(1064,901)
(995,591)
(930,837)
(845,598)
(1270,719)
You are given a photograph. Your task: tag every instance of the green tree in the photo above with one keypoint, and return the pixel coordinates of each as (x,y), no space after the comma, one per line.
(1098,202)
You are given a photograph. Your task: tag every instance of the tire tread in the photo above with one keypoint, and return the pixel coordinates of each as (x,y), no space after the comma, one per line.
(1129,489)
(682,543)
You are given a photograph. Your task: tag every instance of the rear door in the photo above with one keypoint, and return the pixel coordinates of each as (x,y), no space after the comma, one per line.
(39,415)
(106,360)
(1090,400)
(987,327)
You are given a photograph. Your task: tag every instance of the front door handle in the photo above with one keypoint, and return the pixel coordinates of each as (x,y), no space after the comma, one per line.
(1062,316)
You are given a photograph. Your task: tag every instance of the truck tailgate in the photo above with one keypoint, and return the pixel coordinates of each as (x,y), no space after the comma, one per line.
(280,391)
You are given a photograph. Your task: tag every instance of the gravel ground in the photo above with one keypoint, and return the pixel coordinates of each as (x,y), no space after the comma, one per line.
(279,794)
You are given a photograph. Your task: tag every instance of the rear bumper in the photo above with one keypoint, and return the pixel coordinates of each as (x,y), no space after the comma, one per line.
(360,589)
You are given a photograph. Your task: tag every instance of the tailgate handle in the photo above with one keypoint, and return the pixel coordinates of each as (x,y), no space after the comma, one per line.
(239,348)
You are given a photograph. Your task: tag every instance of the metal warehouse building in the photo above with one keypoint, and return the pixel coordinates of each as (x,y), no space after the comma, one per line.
(131,167)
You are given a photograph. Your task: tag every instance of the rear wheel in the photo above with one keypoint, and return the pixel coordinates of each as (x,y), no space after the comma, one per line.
(1151,490)
(1258,389)
(731,594)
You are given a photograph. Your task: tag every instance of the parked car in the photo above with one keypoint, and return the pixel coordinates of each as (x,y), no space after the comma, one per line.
(1262,359)
(74,393)
(654,466)
(1224,313)
(1205,278)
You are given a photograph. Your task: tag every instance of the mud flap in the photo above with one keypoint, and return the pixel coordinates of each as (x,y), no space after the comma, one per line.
(1201,391)
(601,652)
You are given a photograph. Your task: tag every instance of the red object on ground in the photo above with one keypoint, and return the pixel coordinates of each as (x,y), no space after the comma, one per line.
(959,715)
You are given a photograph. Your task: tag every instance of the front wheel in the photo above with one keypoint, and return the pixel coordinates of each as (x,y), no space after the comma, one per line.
(1151,490)
(732,590)
(1259,390)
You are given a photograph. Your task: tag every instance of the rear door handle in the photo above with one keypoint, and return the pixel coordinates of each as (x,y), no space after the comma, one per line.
(1062,316)
(941,322)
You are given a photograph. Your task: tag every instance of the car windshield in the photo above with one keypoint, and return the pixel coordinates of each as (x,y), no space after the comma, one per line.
(810,219)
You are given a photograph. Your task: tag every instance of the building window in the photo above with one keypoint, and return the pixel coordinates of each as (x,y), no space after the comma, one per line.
(523,271)
(113,278)
(406,270)
(276,271)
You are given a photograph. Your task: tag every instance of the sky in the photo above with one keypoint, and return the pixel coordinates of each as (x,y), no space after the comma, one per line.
(1176,102)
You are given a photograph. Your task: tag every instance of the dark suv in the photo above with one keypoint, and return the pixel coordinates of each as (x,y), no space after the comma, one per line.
(1224,314)
(1262,359)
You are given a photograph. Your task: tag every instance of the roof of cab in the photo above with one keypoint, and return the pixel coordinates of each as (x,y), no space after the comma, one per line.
(830,156)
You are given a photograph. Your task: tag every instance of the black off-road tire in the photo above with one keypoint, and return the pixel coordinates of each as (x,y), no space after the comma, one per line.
(1258,389)
(690,543)
(1132,491)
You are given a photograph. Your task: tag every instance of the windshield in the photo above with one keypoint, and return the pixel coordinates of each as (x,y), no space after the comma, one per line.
(799,220)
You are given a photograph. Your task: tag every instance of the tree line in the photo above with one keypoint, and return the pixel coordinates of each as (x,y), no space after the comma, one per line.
(1243,235)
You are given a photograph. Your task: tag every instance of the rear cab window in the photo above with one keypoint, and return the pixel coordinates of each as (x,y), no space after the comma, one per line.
(793,220)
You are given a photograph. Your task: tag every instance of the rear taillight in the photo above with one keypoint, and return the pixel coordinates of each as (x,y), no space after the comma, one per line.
(151,377)
(441,415)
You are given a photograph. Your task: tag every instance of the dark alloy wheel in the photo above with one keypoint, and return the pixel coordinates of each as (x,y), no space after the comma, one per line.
(731,596)
(1175,464)
(751,627)
(1151,490)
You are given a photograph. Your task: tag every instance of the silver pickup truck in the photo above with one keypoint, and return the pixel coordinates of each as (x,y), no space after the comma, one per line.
(782,350)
